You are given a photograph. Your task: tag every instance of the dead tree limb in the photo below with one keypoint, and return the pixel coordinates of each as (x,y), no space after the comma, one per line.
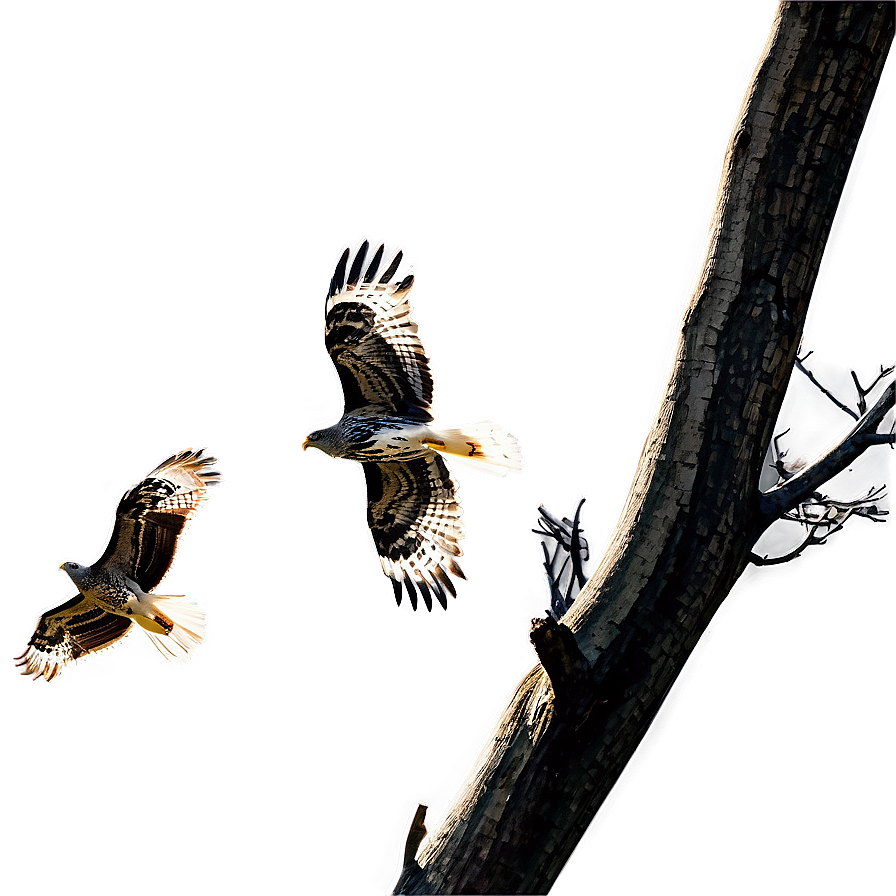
(864,393)
(565,563)
(774,503)
(801,366)
(694,510)
(817,511)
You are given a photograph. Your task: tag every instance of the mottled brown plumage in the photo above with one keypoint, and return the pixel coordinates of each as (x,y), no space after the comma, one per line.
(114,591)
(412,506)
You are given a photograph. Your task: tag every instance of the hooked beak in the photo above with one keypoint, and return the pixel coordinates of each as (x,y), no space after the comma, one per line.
(62,566)
(305,444)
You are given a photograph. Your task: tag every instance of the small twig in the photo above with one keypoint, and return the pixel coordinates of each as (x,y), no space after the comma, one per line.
(874,493)
(558,603)
(829,515)
(784,471)
(766,560)
(570,544)
(801,367)
(836,525)
(863,393)
(576,549)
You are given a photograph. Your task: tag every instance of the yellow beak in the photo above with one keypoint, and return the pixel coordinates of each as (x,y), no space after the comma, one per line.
(305,444)
(62,566)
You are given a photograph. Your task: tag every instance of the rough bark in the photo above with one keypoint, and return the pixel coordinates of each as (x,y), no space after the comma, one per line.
(694,510)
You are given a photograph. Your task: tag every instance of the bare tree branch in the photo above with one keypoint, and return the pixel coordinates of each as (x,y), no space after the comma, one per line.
(784,471)
(568,539)
(819,511)
(800,365)
(786,495)
(863,393)
(811,539)
(829,515)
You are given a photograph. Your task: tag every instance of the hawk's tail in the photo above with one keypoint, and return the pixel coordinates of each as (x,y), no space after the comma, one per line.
(177,626)
(484,443)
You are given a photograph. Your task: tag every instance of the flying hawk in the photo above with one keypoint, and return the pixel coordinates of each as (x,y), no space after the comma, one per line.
(412,508)
(114,592)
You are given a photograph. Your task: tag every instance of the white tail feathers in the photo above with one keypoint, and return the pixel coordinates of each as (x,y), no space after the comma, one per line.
(483,443)
(176,629)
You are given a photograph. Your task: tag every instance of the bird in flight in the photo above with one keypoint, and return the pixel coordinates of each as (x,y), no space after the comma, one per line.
(412,506)
(115,591)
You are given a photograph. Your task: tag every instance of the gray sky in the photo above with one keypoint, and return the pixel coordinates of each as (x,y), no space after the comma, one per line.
(178,183)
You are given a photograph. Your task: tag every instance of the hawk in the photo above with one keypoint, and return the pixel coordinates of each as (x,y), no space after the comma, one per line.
(412,506)
(115,591)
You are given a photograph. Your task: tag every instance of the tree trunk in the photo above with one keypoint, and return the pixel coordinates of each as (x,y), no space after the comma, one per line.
(695,509)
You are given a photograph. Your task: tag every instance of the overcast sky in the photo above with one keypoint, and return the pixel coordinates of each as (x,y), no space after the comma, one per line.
(178,182)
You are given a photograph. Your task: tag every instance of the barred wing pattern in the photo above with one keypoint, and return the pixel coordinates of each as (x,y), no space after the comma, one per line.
(151,516)
(415,520)
(66,633)
(372,340)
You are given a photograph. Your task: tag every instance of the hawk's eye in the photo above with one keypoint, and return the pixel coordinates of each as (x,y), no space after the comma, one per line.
(75,566)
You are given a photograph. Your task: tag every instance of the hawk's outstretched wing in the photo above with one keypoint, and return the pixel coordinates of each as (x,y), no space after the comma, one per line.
(151,516)
(373,341)
(414,517)
(68,632)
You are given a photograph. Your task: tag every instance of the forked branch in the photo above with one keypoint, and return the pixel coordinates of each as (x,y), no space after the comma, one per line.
(799,487)
(565,552)
(827,516)
(864,393)
(801,366)
(820,514)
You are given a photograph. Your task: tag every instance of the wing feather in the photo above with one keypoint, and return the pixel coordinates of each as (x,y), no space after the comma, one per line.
(152,515)
(357,264)
(68,632)
(375,264)
(373,341)
(414,518)
(338,280)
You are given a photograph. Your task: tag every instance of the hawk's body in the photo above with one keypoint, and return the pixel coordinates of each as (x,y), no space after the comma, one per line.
(412,511)
(114,591)
(369,435)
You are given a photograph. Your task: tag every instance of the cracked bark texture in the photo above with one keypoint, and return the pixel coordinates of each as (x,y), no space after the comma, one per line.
(693,512)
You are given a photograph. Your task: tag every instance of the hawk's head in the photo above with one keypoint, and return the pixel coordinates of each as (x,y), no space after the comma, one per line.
(329,439)
(322,439)
(75,571)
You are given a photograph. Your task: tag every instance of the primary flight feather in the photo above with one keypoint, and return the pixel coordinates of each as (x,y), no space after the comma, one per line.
(412,507)
(114,591)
